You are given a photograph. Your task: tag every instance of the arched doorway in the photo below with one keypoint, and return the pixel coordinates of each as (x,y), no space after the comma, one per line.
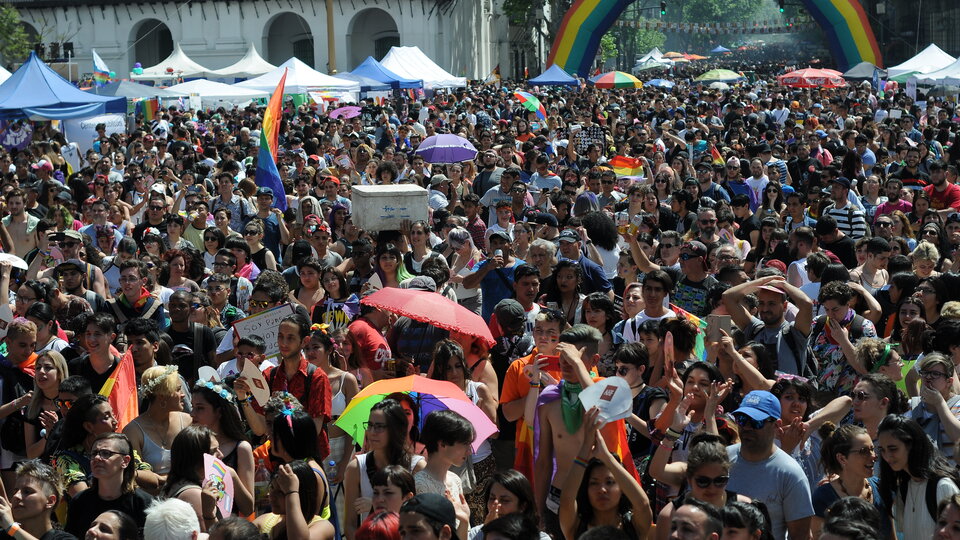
(372,32)
(287,35)
(152,42)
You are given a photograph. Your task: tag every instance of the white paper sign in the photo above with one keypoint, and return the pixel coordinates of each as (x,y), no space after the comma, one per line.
(256,382)
(612,396)
(71,154)
(911,88)
(82,130)
(265,325)
(6,317)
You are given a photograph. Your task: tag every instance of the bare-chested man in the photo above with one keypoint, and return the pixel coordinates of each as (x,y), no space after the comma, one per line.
(561,420)
(20,224)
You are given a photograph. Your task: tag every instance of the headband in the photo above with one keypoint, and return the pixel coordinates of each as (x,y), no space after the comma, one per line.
(147,387)
(882,361)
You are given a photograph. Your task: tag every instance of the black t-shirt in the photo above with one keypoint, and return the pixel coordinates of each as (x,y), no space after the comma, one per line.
(187,365)
(54,534)
(845,250)
(747,226)
(81,366)
(640,444)
(87,505)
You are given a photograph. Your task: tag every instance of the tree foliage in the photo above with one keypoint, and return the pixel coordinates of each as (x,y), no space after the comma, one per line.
(702,11)
(14,42)
(608,47)
(648,39)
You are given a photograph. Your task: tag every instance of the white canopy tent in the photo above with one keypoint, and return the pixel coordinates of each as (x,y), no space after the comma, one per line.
(301,78)
(654,54)
(4,74)
(215,94)
(930,59)
(179,62)
(251,65)
(947,75)
(411,63)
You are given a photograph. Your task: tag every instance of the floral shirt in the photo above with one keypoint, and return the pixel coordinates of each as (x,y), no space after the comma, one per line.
(836,374)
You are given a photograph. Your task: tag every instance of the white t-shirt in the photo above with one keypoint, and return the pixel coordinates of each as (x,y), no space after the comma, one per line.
(629,328)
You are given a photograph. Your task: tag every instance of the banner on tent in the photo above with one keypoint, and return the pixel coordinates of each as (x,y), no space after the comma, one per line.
(83,130)
(15,134)
(752,27)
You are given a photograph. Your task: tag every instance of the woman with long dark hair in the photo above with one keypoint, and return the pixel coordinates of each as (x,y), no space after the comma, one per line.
(508,492)
(598,311)
(293,501)
(338,306)
(563,292)
(215,406)
(910,462)
(601,492)
(294,438)
(48,329)
(386,438)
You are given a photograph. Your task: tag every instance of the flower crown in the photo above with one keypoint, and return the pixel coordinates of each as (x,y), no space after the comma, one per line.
(147,387)
(217,389)
(320,327)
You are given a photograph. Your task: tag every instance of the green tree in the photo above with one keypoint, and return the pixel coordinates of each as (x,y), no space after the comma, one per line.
(14,44)
(648,39)
(608,47)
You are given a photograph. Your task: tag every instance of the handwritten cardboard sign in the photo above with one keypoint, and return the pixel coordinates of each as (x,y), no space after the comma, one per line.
(216,471)
(264,324)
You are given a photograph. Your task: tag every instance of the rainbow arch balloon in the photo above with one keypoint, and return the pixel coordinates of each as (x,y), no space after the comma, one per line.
(848,31)
(579,36)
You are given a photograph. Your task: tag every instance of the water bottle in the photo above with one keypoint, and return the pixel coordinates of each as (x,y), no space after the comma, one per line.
(261,485)
(334,491)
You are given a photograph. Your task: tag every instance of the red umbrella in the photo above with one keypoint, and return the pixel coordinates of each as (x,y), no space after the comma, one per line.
(811,78)
(432,308)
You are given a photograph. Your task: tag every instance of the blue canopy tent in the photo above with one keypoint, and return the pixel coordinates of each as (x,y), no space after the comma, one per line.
(372,69)
(37,91)
(554,76)
(366,83)
(720,49)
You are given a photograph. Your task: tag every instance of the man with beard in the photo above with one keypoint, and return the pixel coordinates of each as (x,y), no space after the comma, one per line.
(707,224)
(894,202)
(489,175)
(785,340)
(785,489)
(910,174)
(735,184)
(944,196)
(804,169)
(952,227)
(709,188)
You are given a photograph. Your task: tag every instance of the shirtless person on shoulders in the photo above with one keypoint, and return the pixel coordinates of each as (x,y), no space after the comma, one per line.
(20,224)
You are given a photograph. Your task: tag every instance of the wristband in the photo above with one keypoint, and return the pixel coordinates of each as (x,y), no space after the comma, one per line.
(668,444)
(248,399)
(580,462)
(535,384)
(12,529)
(673,433)
(290,492)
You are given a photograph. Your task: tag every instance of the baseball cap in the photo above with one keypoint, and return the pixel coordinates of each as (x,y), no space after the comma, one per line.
(569,235)
(264,191)
(759,405)
(779,265)
(510,314)
(437,508)
(502,234)
(76,235)
(843,181)
(43,164)
(71,264)
(734,161)
(821,133)
(817,106)
(420,283)
(438,179)
(695,246)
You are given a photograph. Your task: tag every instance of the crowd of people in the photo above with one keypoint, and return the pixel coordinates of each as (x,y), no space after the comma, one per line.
(773,274)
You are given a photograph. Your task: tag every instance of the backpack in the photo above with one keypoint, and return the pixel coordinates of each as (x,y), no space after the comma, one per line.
(930,495)
(307,386)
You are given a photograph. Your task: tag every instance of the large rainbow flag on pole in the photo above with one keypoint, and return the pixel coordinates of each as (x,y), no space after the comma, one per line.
(101,73)
(121,391)
(267,173)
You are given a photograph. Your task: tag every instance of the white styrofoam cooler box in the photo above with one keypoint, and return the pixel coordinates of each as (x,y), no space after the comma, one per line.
(382,208)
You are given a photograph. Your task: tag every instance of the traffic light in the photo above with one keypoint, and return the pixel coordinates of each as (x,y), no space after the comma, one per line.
(663,8)
(781,3)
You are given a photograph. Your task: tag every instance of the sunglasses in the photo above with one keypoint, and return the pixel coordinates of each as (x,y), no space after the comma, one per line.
(860,396)
(250,232)
(865,451)
(704,482)
(209,238)
(157,208)
(63,403)
(259,304)
(667,246)
(688,256)
(660,181)
(745,421)
(707,221)
(104,454)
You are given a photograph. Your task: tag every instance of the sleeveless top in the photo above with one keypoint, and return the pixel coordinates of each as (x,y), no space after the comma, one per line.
(338,402)
(484,449)
(260,258)
(154,454)
(366,488)
(271,520)
(626,526)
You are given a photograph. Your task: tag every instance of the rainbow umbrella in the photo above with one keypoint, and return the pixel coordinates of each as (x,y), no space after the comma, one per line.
(616,79)
(429,395)
(531,103)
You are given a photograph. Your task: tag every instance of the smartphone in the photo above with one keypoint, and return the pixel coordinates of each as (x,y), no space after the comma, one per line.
(553,363)
(716,323)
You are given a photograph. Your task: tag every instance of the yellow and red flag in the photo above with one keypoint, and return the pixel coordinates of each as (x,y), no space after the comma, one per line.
(626,166)
(121,391)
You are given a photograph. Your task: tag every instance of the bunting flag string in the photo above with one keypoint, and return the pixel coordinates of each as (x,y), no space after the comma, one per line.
(781,26)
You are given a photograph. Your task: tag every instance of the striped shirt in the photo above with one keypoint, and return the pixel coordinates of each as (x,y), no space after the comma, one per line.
(850,220)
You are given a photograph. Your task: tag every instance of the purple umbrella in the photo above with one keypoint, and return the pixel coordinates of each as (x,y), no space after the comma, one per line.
(446,148)
(345,112)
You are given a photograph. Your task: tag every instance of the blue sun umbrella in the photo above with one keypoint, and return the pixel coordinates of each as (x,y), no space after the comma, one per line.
(661,83)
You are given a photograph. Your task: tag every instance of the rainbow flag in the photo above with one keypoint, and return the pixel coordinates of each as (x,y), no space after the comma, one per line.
(699,349)
(121,391)
(626,166)
(717,158)
(267,173)
(150,109)
(101,73)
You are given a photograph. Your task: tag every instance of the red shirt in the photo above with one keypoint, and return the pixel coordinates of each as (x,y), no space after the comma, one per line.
(948,198)
(373,347)
(319,405)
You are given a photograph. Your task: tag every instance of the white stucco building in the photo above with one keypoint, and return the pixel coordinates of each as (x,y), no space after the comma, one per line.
(465,37)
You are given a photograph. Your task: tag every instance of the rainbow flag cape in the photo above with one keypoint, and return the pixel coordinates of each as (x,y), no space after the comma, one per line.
(267,173)
(626,166)
(717,157)
(699,350)
(101,73)
(121,391)
(150,109)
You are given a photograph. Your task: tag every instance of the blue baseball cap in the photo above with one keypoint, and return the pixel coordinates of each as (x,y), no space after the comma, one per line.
(759,405)
(264,191)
